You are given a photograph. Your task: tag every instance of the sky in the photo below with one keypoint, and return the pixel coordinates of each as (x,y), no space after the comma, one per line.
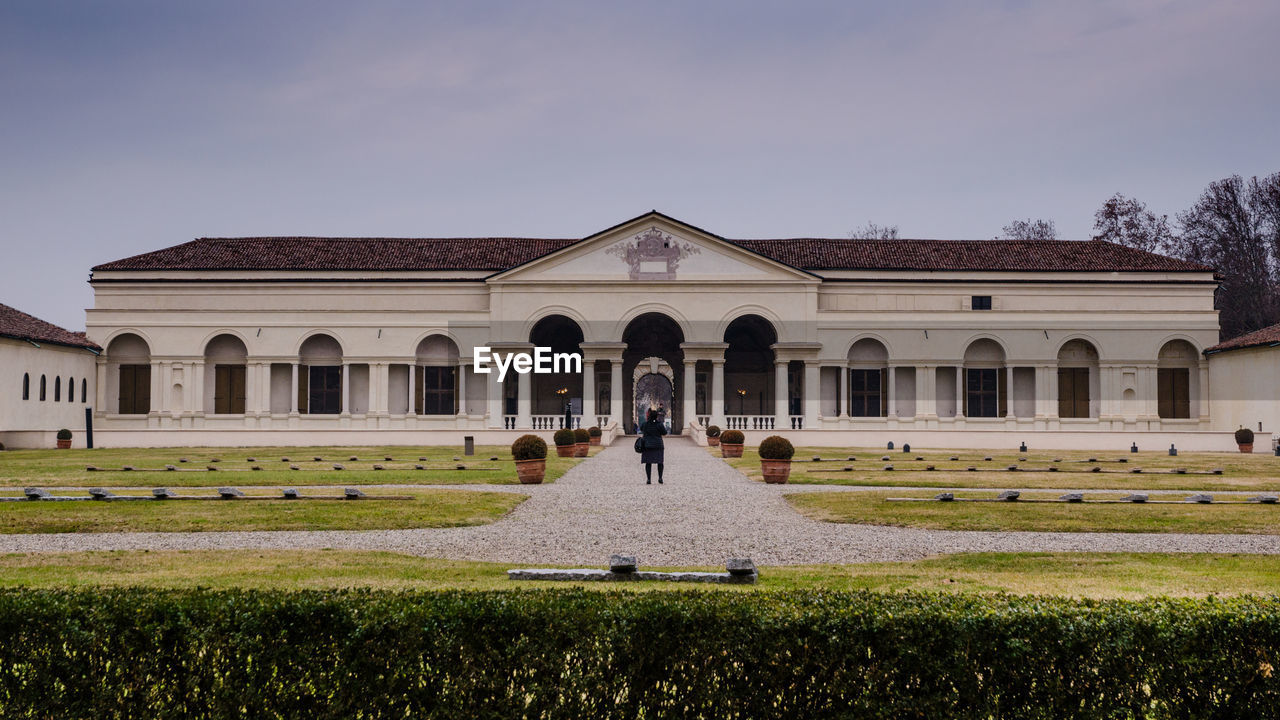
(131,125)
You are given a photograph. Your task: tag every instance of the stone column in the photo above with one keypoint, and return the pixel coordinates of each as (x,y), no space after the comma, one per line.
(892,410)
(615,391)
(1202,412)
(588,391)
(346,388)
(811,395)
(197,385)
(493,398)
(781,412)
(1051,396)
(845,388)
(293,396)
(1008,394)
(462,389)
(524,400)
(690,397)
(413,395)
(960,392)
(717,392)
(100,388)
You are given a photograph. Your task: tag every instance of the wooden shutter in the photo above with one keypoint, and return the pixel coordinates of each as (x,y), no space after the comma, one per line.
(142,389)
(126,390)
(236,386)
(304,379)
(1066,393)
(1081,396)
(419,388)
(221,385)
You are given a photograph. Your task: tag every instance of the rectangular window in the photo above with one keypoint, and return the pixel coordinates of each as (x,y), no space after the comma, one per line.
(982,394)
(1174,392)
(866,393)
(324,392)
(1073,392)
(228,389)
(981,302)
(135,389)
(436,391)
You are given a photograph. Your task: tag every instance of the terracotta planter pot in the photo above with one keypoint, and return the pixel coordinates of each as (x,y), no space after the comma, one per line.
(775,472)
(66,444)
(564,451)
(531,472)
(730,451)
(1243,448)
(595,440)
(580,449)
(713,441)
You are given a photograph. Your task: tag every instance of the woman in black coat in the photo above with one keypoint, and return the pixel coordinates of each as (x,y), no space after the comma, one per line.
(651,433)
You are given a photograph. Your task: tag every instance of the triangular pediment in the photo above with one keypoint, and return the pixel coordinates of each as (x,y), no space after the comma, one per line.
(653,248)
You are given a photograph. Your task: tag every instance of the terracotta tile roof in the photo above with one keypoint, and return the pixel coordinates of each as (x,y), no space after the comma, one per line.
(313,253)
(1257,338)
(495,254)
(21,326)
(997,255)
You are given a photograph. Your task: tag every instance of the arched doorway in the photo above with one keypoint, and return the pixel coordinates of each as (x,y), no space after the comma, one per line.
(128,375)
(225,360)
(749,374)
(652,369)
(550,393)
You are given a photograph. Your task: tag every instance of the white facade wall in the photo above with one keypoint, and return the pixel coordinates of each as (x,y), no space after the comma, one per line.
(33,422)
(1246,389)
(924,322)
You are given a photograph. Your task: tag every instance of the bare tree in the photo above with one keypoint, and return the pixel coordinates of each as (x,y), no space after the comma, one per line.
(1127,221)
(1235,227)
(1028,230)
(872,231)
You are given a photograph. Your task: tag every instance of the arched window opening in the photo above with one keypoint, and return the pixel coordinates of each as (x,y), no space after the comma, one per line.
(43,386)
(320,376)
(986,392)
(26,386)
(868,383)
(1173,379)
(84,391)
(71,389)
(131,358)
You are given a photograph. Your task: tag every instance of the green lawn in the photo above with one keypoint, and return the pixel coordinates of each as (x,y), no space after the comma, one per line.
(1071,574)
(66,468)
(871,508)
(1255,472)
(424,509)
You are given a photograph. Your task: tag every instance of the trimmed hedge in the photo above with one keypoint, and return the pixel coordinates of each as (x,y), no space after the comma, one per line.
(116,653)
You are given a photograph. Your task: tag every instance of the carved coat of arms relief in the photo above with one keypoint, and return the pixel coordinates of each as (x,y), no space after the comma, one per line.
(653,255)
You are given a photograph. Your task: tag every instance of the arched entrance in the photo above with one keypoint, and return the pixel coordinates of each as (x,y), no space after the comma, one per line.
(652,369)
(550,393)
(654,389)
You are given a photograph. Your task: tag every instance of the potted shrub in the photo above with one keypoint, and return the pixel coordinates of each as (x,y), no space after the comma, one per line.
(64,439)
(581,442)
(564,441)
(594,433)
(530,453)
(731,443)
(713,435)
(1244,439)
(775,459)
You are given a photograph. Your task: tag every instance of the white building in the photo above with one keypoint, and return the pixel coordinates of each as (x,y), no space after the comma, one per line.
(1244,373)
(48,380)
(840,342)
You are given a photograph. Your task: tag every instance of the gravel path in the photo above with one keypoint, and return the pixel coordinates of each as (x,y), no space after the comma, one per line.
(706,512)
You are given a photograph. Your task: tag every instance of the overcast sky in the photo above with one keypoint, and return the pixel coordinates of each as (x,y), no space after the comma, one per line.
(131,126)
